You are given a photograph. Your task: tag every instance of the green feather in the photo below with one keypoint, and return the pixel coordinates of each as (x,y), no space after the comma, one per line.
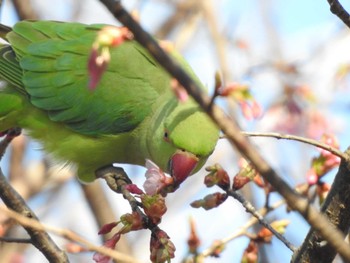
(123,120)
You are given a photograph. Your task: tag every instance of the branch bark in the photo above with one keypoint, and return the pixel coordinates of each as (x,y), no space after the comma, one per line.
(337,9)
(40,239)
(318,221)
(337,208)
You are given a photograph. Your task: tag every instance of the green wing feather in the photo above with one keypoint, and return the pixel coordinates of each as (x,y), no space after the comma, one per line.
(61,51)
(122,120)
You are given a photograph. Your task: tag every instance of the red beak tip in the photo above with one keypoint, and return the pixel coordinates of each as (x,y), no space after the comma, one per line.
(182,165)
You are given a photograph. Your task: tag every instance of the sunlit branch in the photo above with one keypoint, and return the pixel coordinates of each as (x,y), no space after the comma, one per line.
(309,141)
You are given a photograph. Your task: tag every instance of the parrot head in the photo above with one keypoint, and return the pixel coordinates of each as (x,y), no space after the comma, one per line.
(182,139)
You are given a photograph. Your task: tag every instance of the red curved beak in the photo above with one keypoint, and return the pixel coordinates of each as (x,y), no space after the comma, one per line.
(181,164)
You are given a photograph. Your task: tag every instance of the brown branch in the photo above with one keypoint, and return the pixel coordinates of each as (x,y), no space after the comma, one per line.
(15,240)
(337,9)
(116,179)
(337,208)
(318,144)
(231,129)
(67,234)
(40,239)
(241,231)
(25,10)
(251,209)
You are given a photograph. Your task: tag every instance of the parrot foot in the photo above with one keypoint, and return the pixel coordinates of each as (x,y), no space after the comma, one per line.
(11,133)
(115,177)
(118,181)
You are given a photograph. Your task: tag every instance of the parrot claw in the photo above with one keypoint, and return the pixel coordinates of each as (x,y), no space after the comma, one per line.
(11,133)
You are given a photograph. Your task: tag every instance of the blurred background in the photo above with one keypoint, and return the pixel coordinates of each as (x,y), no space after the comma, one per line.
(294,56)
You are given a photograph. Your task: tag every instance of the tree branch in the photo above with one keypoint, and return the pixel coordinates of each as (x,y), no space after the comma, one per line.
(16,240)
(337,208)
(231,129)
(40,239)
(241,231)
(299,139)
(67,234)
(337,9)
(251,209)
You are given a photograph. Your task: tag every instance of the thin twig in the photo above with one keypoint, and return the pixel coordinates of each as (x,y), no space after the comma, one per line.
(67,234)
(251,209)
(16,240)
(242,230)
(232,130)
(309,141)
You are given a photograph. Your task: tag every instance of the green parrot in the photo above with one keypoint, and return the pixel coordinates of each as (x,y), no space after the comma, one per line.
(132,115)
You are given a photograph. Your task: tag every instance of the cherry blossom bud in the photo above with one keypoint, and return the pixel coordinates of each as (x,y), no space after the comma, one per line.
(239,181)
(217,176)
(74,248)
(280,225)
(193,240)
(110,243)
(325,162)
(162,249)
(312,177)
(105,229)
(107,38)
(219,248)
(131,222)
(250,254)
(265,235)
(246,174)
(250,108)
(210,201)
(154,207)
(97,64)
(134,189)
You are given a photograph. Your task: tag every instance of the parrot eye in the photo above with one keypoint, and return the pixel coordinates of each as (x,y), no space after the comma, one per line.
(166,136)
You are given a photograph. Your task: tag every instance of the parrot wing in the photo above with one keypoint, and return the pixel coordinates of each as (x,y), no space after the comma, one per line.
(51,63)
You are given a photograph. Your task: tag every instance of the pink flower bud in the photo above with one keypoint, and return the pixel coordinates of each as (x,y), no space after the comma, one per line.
(105,229)
(110,243)
(162,249)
